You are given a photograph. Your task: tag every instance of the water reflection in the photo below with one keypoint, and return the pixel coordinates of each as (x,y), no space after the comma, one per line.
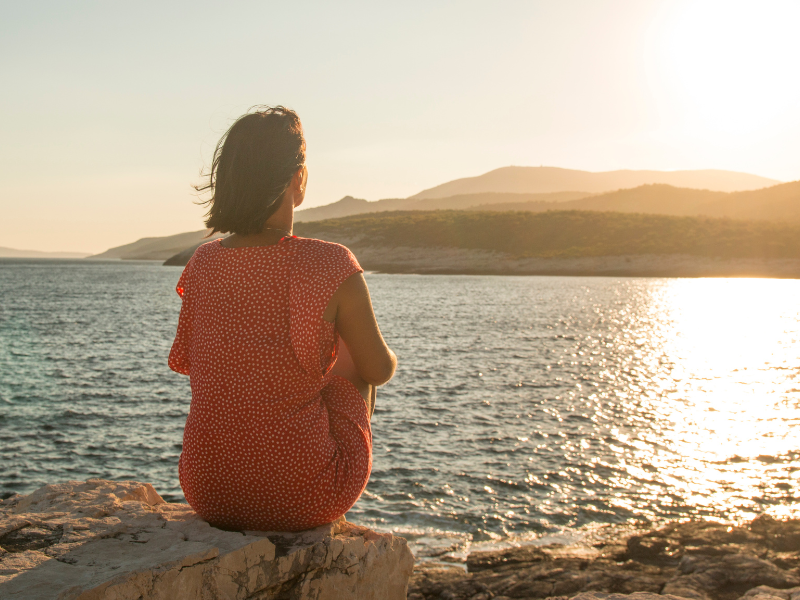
(727,405)
(527,405)
(522,406)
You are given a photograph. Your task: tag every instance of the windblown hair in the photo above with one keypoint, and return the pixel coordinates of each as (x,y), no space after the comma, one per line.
(253,165)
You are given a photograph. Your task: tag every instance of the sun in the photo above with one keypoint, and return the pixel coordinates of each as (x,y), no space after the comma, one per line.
(728,66)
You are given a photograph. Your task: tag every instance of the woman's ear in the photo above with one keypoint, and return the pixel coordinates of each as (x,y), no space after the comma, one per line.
(299,182)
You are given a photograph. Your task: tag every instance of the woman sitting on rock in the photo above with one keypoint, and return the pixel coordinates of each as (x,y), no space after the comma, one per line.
(281,345)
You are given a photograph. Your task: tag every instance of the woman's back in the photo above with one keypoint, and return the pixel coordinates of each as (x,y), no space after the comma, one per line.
(274,440)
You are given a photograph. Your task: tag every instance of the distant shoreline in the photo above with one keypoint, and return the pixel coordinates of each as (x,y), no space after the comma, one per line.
(9,253)
(470,261)
(460,261)
(80,259)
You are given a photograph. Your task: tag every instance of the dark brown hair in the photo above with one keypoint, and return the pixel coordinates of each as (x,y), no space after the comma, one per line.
(253,165)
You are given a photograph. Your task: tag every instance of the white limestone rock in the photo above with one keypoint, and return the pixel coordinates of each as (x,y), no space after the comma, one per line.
(106,540)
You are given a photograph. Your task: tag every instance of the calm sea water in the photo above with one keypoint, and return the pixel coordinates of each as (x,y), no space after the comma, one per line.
(522,406)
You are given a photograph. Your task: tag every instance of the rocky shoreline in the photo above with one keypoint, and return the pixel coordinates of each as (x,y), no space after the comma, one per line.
(463,261)
(107,540)
(104,540)
(699,560)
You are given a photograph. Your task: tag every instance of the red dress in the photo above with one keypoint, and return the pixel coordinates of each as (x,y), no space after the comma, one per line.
(273,440)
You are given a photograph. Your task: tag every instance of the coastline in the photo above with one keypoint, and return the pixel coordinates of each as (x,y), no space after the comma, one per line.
(697,559)
(439,260)
(461,261)
(109,539)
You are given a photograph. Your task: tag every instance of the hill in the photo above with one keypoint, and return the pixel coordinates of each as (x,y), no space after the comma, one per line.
(537,180)
(563,234)
(14,253)
(349,206)
(511,186)
(353,206)
(157,248)
(561,243)
(777,203)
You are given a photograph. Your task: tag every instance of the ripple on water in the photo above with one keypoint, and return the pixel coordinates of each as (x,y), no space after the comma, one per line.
(521,405)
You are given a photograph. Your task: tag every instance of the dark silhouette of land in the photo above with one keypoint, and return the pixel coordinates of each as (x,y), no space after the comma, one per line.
(563,234)
(157,248)
(565,243)
(15,253)
(353,206)
(560,216)
(777,203)
(737,195)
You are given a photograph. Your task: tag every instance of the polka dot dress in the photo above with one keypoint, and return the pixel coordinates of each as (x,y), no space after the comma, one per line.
(273,440)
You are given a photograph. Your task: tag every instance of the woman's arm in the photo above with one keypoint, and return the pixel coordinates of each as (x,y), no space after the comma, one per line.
(351,308)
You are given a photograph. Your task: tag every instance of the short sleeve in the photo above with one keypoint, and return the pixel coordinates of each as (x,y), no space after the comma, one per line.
(179,354)
(319,269)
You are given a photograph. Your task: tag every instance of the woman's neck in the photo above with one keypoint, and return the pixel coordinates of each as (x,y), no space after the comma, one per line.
(279,225)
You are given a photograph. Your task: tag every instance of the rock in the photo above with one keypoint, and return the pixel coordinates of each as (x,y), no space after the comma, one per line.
(699,560)
(103,540)
(713,576)
(765,592)
(781,536)
(635,596)
(512,557)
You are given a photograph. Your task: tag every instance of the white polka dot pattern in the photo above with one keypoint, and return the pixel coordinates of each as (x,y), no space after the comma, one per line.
(273,441)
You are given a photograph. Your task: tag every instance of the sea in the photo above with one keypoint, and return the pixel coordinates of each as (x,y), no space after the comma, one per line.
(523,408)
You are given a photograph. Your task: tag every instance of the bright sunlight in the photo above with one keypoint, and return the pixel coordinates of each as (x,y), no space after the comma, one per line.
(728,66)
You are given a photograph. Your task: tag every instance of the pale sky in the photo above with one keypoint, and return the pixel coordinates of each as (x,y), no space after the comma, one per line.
(108,111)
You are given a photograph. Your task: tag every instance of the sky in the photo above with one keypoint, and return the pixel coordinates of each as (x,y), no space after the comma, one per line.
(109,111)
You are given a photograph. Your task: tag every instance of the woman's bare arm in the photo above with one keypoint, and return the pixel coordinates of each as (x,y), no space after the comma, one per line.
(351,308)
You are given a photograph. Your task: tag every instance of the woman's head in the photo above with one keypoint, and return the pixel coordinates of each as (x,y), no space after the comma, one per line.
(254,164)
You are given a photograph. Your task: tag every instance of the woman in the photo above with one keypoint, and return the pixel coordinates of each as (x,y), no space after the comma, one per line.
(278,435)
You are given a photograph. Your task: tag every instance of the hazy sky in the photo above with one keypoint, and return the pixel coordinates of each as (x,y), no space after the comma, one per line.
(109,110)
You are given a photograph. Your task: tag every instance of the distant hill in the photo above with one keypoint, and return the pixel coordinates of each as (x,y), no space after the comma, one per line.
(14,253)
(184,256)
(530,180)
(542,189)
(558,242)
(157,248)
(563,234)
(515,185)
(353,206)
(780,203)
(349,206)
(777,203)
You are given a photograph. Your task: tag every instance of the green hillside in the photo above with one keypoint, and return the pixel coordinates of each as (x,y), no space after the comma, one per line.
(776,203)
(563,233)
(348,205)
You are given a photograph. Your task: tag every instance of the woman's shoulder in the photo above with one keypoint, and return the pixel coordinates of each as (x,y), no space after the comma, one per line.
(208,247)
(201,253)
(321,248)
(326,254)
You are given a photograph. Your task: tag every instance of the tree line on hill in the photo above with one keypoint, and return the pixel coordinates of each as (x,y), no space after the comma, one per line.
(563,234)
(530,211)
(779,202)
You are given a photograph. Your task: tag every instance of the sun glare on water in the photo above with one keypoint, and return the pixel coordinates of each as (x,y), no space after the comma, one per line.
(734,400)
